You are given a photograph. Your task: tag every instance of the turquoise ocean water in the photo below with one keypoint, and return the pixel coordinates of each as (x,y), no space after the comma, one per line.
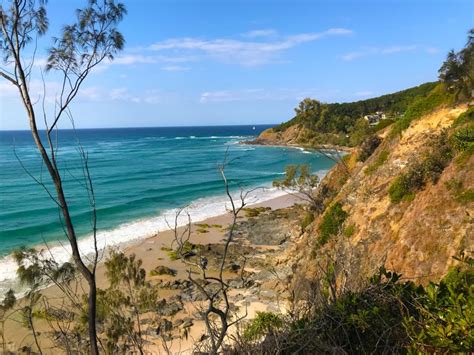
(140,176)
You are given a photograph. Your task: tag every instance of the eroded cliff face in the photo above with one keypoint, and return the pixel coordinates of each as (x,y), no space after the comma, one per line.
(290,136)
(417,238)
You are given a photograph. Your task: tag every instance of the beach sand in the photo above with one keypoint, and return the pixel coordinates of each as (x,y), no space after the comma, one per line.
(150,252)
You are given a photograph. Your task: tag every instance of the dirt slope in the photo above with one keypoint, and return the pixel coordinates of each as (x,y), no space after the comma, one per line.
(417,238)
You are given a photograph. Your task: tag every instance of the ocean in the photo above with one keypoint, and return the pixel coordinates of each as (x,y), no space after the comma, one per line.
(140,175)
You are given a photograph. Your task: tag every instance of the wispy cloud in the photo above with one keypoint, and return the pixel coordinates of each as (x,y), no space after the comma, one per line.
(363,93)
(175,68)
(260,94)
(132,59)
(123,94)
(243,52)
(259,33)
(369,51)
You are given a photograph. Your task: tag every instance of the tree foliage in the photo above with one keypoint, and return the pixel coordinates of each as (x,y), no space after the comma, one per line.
(420,172)
(299,179)
(457,71)
(331,222)
(385,316)
(341,117)
(123,304)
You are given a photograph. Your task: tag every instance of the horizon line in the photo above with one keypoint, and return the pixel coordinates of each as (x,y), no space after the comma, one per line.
(142,127)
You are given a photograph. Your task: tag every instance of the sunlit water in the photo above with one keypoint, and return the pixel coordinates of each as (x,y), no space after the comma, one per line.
(140,176)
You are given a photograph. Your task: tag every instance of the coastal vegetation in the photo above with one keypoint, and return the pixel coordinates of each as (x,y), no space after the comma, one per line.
(341,118)
(387,315)
(308,262)
(421,172)
(331,222)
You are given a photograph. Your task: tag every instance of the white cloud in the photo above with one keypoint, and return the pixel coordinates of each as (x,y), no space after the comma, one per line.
(398,49)
(123,94)
(259,33)
(432,50)
(175,68)
(369,51)
(363,93)
(132,59)
(37,88)
(259,94)
(247,53)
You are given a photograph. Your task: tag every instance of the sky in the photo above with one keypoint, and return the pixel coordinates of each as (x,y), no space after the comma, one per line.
(194,63)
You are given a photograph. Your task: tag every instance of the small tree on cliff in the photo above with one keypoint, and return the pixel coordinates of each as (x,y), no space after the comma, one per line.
(457,71)
(300,182)
(81,47)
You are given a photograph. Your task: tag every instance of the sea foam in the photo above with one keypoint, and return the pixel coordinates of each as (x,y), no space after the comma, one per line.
(128,233)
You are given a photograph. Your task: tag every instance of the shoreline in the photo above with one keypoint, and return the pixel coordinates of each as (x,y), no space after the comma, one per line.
(151,228)
(325,147)
(152,252)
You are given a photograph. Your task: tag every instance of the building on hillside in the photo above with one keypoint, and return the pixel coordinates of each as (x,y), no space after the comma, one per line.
(375,118)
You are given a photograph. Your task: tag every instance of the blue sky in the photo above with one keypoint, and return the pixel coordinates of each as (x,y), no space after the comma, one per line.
(250,62)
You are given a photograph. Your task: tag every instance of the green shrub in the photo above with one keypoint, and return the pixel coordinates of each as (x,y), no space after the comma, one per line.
(331,222)
(466,116)
(188,249)
(439,158)
(460,194)
(444,318)
(381,159)
(430,169)
(385,316)
(255,211)
(263,324)
(405,185)
(463,139)
(422,106)
(383,123)
(307,220)
(349,230)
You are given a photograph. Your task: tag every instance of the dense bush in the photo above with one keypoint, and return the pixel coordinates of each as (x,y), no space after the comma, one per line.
(405,185)
(307,220)
(466,116)
(368,147)
(264,323)
(444,317)
(463,139)
(385,316)
(419,173)
(332,222)
(422,106)
(383,123)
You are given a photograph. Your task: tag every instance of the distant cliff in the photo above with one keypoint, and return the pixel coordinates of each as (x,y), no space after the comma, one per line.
(342,124)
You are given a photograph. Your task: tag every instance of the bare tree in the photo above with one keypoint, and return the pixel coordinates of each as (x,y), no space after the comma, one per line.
(217,314)
(81,47)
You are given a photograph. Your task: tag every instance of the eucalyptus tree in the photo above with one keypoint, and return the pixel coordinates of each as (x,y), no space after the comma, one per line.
(80,48)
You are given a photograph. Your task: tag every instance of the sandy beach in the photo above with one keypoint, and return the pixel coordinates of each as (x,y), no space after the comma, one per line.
(153,252)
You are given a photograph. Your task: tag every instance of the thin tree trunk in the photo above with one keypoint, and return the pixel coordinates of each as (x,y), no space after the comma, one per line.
(71,234)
